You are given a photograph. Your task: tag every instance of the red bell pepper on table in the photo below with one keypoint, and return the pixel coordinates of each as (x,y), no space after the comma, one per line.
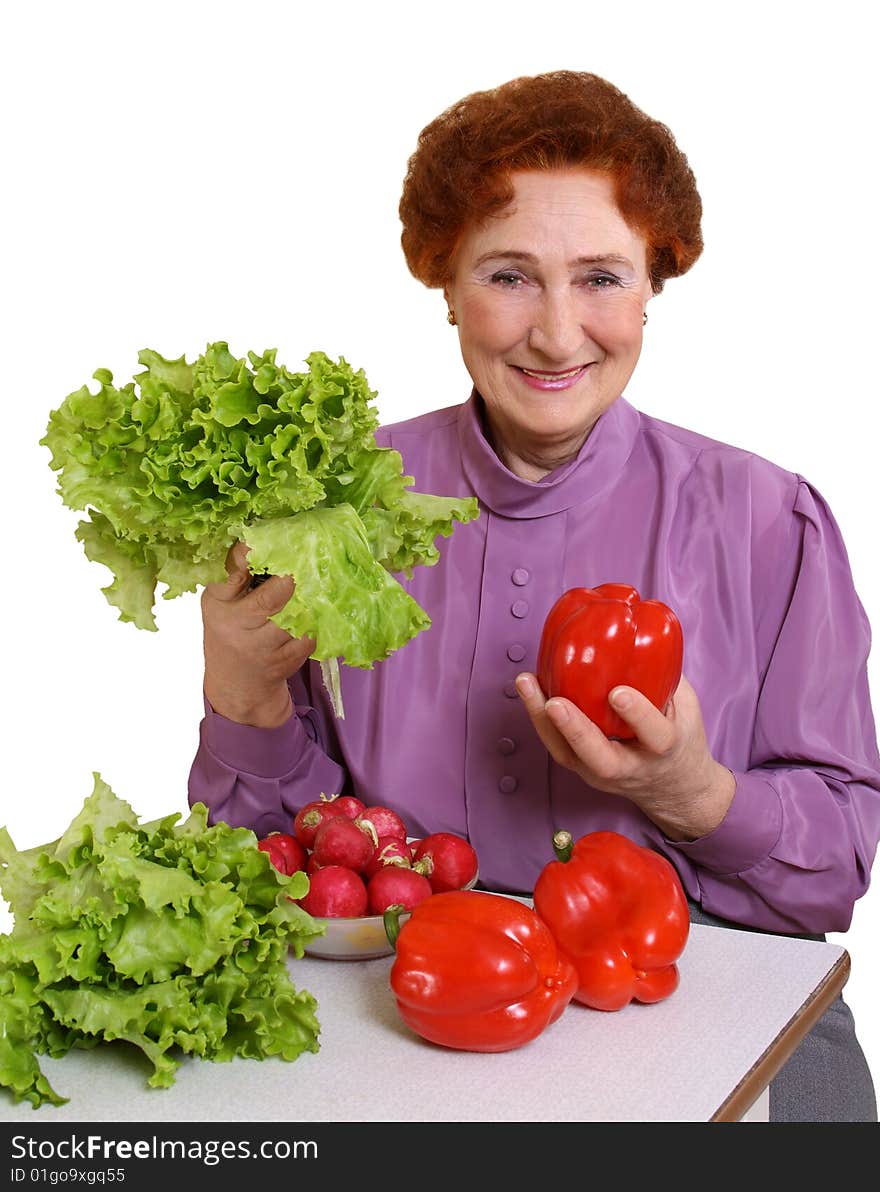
(595,639)
(477,971)
(619,913)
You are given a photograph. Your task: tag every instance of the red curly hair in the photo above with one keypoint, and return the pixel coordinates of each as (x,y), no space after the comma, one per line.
(460,172)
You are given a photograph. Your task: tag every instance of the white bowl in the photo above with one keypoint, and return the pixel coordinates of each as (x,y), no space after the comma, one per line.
(363,938)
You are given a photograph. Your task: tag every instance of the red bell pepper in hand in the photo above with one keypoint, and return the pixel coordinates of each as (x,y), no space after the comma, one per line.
(595,639)
(619,913)
(478,971)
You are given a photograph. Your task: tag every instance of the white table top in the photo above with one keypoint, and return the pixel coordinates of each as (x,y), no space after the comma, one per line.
(679,1060)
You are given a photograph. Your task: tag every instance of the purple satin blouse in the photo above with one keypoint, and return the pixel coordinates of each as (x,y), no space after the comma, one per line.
(776,643)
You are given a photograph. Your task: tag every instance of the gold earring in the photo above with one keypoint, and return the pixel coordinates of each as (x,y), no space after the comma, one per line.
(450,318)
(644,317)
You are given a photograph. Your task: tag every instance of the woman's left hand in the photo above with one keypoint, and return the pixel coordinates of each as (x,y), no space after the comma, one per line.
(667,770)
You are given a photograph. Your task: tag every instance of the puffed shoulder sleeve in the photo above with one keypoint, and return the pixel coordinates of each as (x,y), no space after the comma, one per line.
(795,851)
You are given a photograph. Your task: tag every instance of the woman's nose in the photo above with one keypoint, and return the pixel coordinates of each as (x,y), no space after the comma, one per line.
(557,331)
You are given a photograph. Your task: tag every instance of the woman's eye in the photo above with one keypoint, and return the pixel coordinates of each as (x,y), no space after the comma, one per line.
(508,279)
(602,281)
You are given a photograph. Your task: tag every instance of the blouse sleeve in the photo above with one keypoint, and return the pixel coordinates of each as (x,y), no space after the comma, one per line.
(259,777)
(795,850)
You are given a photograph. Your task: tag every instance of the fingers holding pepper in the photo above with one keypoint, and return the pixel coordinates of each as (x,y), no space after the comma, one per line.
(551,724)
(666,768)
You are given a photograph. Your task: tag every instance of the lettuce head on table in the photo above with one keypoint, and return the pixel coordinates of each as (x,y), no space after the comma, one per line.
(173,937)
(178,464)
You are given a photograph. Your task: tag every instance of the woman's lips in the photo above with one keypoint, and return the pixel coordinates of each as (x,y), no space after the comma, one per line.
(543,379)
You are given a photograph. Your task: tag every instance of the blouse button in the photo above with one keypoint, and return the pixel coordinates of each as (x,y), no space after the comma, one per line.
(519,608)
(508,784)
(516,652)
(506,745)
(520,576)
(510,690)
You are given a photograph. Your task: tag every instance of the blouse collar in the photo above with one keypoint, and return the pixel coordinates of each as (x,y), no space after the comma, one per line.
(597,464)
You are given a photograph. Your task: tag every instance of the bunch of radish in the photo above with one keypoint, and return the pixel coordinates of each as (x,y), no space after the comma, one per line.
(360,861)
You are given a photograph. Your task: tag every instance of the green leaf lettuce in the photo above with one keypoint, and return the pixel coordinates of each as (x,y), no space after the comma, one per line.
(172,936)
(176,465)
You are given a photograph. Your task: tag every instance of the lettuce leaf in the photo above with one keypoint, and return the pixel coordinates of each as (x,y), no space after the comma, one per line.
(176,465)
(343,596)
(174,937)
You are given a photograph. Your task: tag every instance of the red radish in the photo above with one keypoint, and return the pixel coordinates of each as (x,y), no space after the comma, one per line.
(351,805)
(394,886)
(391,850)
(285,852)
(310,817)
(312,864)
(340,841)
(448,861)
(385,821)
(335,892)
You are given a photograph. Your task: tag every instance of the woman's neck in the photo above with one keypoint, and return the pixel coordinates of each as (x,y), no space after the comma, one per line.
(526,460)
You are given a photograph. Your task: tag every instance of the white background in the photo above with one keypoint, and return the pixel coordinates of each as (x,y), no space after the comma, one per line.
(176,173)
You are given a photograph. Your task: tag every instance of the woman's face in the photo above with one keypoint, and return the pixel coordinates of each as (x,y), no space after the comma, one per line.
(549,299)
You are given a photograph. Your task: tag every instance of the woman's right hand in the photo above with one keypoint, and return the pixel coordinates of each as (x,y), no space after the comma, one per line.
(248,658)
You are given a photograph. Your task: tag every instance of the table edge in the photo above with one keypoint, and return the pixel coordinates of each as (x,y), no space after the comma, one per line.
(753,1083)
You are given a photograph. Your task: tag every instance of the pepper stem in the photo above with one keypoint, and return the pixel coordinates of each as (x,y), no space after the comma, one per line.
(391,919)
(562,844)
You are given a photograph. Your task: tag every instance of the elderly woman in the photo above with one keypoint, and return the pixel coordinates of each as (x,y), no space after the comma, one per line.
(550,211)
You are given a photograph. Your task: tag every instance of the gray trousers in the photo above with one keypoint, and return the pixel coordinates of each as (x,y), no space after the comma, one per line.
(826,1078)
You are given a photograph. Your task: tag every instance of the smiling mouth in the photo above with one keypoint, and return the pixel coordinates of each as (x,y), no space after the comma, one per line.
(545,380)
(544,374)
